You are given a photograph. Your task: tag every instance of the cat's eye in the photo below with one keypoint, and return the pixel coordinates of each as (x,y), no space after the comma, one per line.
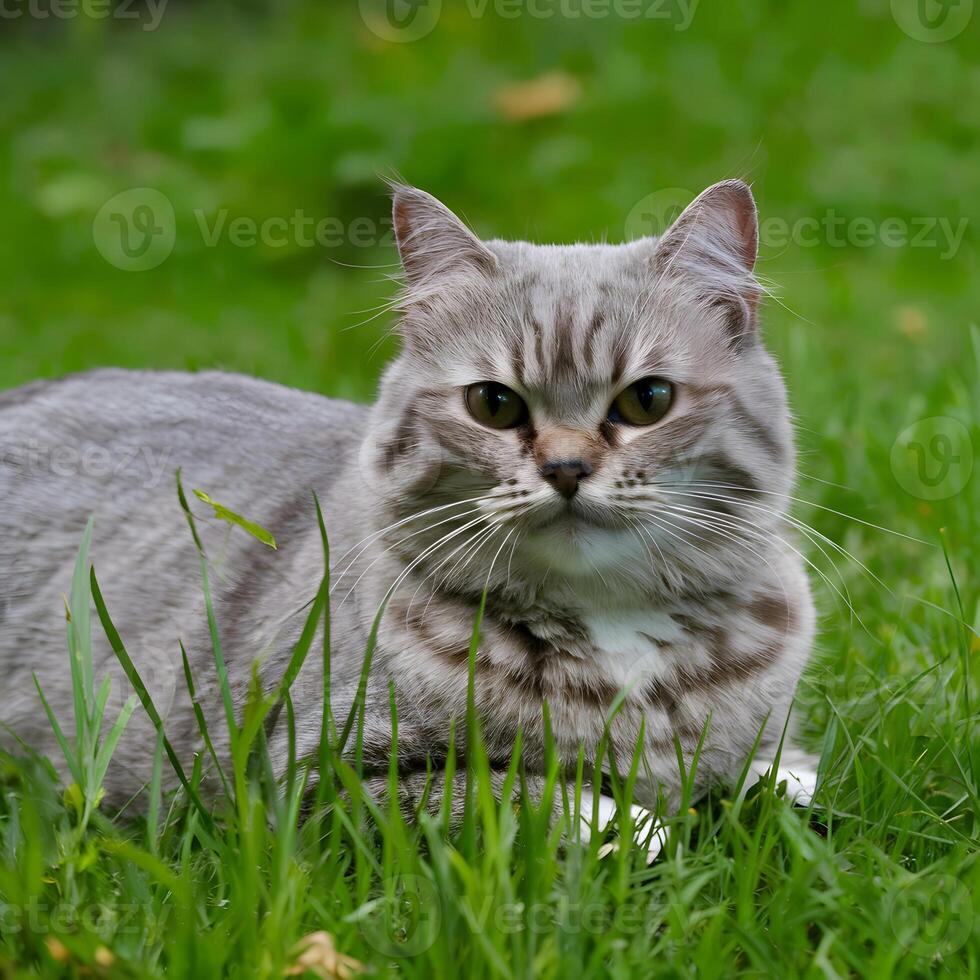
(496,405)
(644,402)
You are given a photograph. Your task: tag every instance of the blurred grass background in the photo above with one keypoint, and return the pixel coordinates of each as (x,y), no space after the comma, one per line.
(267,108)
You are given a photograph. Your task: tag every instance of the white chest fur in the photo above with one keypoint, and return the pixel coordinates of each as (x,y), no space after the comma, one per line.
(630,642)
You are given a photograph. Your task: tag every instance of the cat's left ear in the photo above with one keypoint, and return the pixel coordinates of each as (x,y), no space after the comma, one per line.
(714,244)
(432,241)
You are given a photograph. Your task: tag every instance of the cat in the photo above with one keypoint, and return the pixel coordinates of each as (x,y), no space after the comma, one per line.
(593,434)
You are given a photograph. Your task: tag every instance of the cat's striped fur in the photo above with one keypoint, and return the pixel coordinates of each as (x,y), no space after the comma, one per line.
(669,576)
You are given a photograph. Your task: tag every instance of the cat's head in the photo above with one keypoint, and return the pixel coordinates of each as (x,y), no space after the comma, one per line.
(589,412)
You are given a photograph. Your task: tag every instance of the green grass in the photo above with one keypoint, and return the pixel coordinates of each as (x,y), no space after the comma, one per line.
(265,110)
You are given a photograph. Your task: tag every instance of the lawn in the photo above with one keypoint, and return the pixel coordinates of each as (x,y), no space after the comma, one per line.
(256,135)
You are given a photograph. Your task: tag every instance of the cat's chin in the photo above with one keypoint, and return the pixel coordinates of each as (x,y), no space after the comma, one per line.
(577,547)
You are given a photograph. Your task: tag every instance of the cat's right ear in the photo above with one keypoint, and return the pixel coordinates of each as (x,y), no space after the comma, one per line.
(714,244)
(432,241)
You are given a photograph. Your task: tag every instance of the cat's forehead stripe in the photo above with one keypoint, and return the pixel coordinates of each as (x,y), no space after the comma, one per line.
(565,339)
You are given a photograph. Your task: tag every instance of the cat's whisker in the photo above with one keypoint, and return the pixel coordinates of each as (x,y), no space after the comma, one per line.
(643,544)
(482,538)
(655,520)
(595,568)
(642,533)
(510,561)
(812,533)
(395,544)
(414,517)
(718,522)
(493,561)
(717,529)
(438,544)
(407,570)
(421,557)
(471,544)
(813,537)
(844,596)
(470,554)
(734,536)
(817,536)
(807,503)
(826,483)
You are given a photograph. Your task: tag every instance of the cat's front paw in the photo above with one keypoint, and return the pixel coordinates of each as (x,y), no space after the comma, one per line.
(648,833)
(797,769)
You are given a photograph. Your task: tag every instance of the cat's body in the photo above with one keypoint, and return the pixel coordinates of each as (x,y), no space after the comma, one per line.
(660,567)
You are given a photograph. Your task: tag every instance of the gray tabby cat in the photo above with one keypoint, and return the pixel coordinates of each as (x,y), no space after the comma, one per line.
(593,433)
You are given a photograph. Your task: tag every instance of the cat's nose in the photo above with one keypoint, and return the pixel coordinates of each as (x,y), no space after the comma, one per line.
(565,475)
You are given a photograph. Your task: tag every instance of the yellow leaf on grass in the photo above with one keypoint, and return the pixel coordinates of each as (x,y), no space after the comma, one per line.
(912,322)
(545,95)
(104,957)
(317,954)
(57,950)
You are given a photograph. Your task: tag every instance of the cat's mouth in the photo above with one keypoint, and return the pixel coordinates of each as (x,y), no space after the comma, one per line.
(575,517)
(578,538)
